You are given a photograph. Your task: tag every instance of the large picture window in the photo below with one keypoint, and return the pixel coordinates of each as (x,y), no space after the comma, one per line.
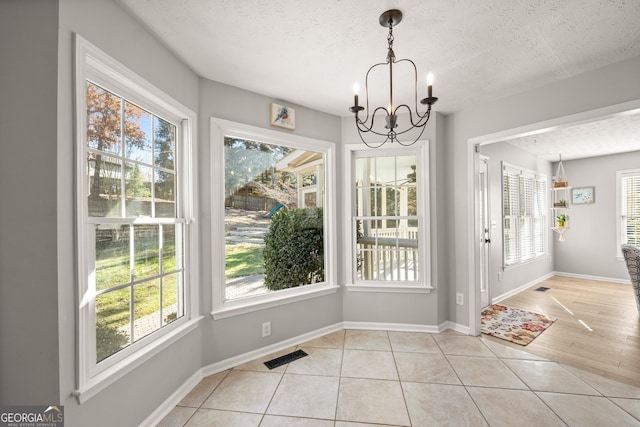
(134,206)
(524,195)
(388,207)
(628,184)
(274,228)
(272,241)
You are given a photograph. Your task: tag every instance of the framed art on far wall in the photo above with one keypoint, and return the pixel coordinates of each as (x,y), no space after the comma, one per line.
(281,116)
(583,195)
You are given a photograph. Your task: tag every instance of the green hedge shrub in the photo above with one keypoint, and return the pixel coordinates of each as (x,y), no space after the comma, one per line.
(294,249)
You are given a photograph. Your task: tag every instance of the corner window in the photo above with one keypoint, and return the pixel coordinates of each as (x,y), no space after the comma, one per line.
(524,220)
(388,217)
(628,219)
(274,242)
(134,206)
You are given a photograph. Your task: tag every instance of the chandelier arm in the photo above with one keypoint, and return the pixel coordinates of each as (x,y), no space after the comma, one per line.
(363,127)
(406,144)
(415,84)
(421,121)
(366,89)
(375,145)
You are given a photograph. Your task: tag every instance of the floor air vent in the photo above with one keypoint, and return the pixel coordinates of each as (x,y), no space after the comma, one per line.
(283,360)
(542,289)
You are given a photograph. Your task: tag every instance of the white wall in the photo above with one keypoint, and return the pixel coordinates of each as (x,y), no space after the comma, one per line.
(590,247)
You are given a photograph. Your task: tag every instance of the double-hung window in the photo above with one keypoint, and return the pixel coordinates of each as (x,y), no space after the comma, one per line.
(135,246)
(388,217)
(524,195)
(628,184)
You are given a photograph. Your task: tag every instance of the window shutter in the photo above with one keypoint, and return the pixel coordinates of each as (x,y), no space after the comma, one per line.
(523,214)
(631,208)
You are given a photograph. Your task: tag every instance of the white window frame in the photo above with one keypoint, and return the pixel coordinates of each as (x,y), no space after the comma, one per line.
(544,195)
(221,307)
(621,235)
(423,183)
(92,64)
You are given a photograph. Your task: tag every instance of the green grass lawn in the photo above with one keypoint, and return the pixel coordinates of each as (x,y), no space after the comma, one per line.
(243,260)
(113,268)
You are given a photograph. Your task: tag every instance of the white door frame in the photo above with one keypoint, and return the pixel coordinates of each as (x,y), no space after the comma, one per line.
(483,231)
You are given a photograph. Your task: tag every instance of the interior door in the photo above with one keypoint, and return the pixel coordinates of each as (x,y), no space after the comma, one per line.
(484,231)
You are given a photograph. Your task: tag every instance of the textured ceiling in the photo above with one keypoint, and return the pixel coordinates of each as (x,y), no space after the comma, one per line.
(310,52)
(615,134)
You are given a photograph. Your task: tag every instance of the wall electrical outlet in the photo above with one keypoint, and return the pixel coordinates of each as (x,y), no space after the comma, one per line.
(459,298)
(266,329)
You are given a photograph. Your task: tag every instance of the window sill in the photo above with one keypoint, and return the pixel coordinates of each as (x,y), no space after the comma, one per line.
(282,297)
(525,262)
(110,375)
(392,289)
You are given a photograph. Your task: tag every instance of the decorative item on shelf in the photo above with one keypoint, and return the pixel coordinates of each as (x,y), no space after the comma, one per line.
(561,195)
(560,178)
(281,116)
(391,18)
(561,220)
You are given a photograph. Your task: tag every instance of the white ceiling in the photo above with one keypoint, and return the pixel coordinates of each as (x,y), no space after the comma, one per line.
(311,52)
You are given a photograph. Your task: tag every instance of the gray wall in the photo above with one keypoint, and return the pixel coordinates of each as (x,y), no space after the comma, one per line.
(236,335)
(28,232)
(590,247)
(131,399)
(37,304)
(407,308)
(513,277)
(604,87)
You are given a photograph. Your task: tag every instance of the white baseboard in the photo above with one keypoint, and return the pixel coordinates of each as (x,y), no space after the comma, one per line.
(522,287)
(598,278)
(455,326)
(396,327)
(231,362)
(163,410)
(556,273)
(156,416)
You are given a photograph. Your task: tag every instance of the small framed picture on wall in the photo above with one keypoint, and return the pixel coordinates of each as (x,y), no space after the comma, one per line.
(282,116)
(583,195)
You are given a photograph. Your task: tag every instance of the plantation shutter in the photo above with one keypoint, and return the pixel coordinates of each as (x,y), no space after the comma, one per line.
(511,214)
(539,208)
(631,208)
(524,216)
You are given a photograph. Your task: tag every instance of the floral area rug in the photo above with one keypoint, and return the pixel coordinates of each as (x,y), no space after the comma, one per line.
(512,324)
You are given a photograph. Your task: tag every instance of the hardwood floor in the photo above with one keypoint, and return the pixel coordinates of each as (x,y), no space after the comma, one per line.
(598,326)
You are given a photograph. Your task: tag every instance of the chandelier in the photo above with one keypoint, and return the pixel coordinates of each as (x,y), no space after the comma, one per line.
(391,18)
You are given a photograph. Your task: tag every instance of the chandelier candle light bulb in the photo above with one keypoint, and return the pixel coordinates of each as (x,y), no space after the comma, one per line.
(356,91)
(429,85)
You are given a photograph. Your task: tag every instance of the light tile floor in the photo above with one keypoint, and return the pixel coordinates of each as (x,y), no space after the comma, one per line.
(356,378)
